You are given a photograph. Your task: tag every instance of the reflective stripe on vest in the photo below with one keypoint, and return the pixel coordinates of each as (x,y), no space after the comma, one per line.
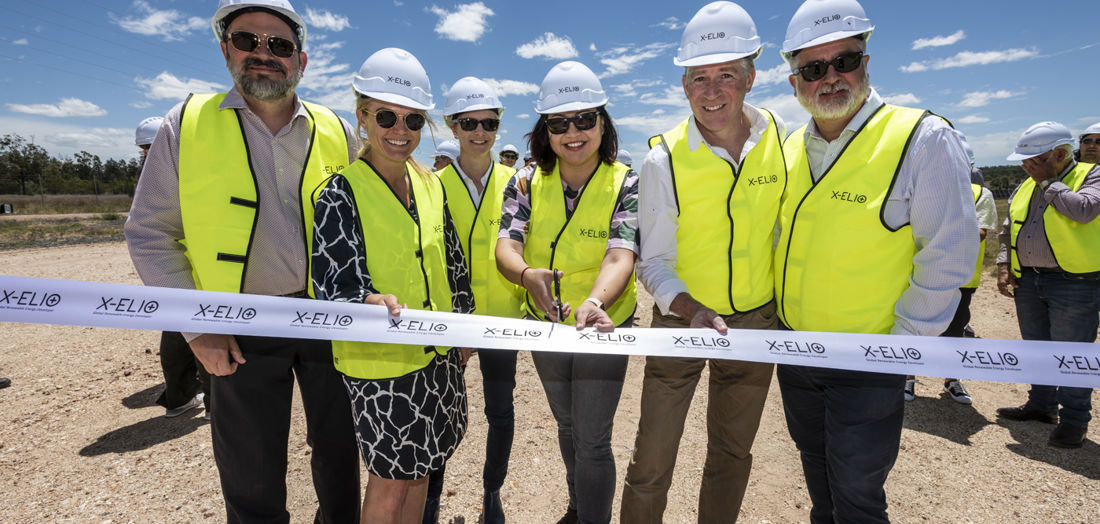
(839,267)
(723,250)
(1076,246)
(575,246)
(477,227)
(217,187)
(977,189)
(405,258)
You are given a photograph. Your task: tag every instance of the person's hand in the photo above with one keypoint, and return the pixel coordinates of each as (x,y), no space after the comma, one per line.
(588,314)
(1006,281)
(706,317)
(219,354)
(390,301)
(539,283)
(464,356)
(1040,168)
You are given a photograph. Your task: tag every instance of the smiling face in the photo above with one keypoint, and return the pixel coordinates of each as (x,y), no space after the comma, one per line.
(574,148)
(835,96)
(394,144)
(479,141)
(716,92)
(260,74)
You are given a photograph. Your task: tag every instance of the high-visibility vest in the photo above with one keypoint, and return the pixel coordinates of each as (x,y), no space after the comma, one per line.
(217,187)
(405,258)
(838,266)
(575,246)
(977,189)
(477,226)
(1076,246)
(724,247)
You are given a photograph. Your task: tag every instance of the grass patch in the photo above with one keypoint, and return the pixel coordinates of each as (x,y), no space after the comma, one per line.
(20,234)
(63,204)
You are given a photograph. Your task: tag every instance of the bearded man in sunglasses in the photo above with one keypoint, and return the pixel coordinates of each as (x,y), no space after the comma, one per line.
(224,203)
(877,234)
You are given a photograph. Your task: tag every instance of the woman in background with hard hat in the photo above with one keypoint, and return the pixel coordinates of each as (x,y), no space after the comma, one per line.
(383,236)
(568,236)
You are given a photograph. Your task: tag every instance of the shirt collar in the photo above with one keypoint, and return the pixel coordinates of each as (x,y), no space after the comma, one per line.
(758,123)
(874,101)
(234,100)
(484,178)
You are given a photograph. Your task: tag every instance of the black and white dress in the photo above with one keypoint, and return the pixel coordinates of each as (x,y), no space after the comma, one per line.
(407,426)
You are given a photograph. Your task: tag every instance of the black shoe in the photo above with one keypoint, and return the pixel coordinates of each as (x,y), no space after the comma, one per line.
(492,509)
(1026,412)
(1067,436)
(5,382)
(431,511)
(570,517)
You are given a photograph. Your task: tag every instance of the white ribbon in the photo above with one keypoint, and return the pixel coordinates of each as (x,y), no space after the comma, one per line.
(63,302)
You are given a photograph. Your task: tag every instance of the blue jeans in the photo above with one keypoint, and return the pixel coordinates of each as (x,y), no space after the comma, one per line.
(1051,306)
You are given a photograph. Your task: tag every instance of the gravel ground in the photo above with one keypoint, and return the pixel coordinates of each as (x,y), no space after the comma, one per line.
(82,441)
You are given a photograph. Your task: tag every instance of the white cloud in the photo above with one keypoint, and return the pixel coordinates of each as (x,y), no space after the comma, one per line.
(326,81)
(786,106)
(548,46)
(672,95)
(322,19)
(592,47)
(141,104)
(657,121)
(465,24)
(991,149)
(939,41)
(67,107)
(168,24)
(523,116)
(902,99)
(972,119)
(21,41)
(982,98)
(671,23)
(775,75)
(511,87)
(621,60)
(64,139)
(167,86)
(970,58)
(398,3)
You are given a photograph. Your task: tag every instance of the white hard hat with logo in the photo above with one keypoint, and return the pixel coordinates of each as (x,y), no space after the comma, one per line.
(147,130)
(471,94)
(394,75)
(819,22)
(1039,139)
(624,157)
(1091,130)
(283,7)
(449,149)
(570,86)
(510,147)
(719,32)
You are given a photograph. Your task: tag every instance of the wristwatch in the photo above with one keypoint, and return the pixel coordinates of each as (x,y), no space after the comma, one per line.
(1046,183)
(595,301)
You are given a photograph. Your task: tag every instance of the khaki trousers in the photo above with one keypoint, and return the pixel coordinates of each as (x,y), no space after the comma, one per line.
(737,391)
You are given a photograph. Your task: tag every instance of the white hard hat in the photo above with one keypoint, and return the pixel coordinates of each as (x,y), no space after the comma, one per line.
(470,94)
(570,86)
(283,7)
(819,22)
(1091,130)
(624,155)
(1039,139)
(449,149)
(510,147)
(396,76)
(719,32)
(147,130)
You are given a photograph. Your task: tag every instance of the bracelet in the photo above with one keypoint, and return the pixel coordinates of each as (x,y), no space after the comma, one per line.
(521,275)
(595,301)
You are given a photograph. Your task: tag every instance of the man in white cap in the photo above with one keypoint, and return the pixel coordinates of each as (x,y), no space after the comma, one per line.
(446,153)
(1052,270)
(877,234)
(1090,144)
(509,155)
(691,204)
(224,204)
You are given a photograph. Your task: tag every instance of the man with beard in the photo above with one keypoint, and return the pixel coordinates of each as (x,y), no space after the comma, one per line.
(224,204)
(877,235)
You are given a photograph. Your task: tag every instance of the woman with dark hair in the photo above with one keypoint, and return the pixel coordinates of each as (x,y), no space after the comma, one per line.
(567,236)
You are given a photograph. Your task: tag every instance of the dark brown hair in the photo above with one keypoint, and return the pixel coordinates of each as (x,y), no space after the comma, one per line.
(539,139)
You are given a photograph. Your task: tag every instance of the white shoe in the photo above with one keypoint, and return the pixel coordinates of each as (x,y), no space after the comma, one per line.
(191,404)
(910,389)
(957,392)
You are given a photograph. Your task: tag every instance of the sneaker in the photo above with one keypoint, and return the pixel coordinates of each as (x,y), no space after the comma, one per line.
(191,404)
(910,389)
(957,392)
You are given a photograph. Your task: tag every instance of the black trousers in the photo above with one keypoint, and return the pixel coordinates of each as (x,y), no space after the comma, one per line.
(962,314)
(251,425)
(184,376)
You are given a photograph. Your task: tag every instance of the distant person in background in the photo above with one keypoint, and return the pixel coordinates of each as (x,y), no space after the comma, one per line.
(624,157)
(184,377)
(1090,144)
(976,176)
(509,155)
(527,159)
(446,153)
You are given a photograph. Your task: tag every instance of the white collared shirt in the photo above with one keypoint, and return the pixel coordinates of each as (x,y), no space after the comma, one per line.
(475,195)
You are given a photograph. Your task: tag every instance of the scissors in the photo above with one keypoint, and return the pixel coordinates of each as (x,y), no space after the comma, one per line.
(557,295)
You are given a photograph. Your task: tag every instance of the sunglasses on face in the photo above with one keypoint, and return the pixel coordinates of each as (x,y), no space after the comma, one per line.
(845,63)
(247,42)
(583,121)
(1090,141)
(387,119)
(470,124)
(512,156)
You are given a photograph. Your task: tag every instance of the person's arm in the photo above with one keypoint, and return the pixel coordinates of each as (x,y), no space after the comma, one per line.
(617,267)
(1083,205)
(514,214)
(657,224)
(1006,281)
(986,210)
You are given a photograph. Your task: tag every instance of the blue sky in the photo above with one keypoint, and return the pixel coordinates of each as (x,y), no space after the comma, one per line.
(81,74)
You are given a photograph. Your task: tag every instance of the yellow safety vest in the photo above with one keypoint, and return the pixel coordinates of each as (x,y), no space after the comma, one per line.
(575,246)
(1076,246)
(405,258)
(217,187)
(477,226)
(724,251)
(838,266)
(977,189)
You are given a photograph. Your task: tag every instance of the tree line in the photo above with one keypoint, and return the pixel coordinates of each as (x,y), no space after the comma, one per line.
(27,169)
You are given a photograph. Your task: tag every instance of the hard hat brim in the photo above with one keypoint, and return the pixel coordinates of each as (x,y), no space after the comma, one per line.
(825,39)
(715,58)
(475,107)
(1020,156)
(571,106)
(397,99)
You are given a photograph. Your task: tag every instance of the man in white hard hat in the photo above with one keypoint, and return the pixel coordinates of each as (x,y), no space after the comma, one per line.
(690,206)
(1052,270)
(446,153)
(509,155)
(224,204)
(624,157)
(877,235)
(1090,144)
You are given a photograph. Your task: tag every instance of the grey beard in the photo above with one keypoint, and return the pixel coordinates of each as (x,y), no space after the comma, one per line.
(265,89)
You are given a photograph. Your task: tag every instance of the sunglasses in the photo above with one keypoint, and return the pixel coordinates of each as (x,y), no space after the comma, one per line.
(509,155)
(387,119)
(247,42)
(845,63)
(584,121)
(1090,141)
(470,124)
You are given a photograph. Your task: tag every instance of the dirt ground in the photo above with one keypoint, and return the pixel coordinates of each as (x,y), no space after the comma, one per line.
(82,441)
